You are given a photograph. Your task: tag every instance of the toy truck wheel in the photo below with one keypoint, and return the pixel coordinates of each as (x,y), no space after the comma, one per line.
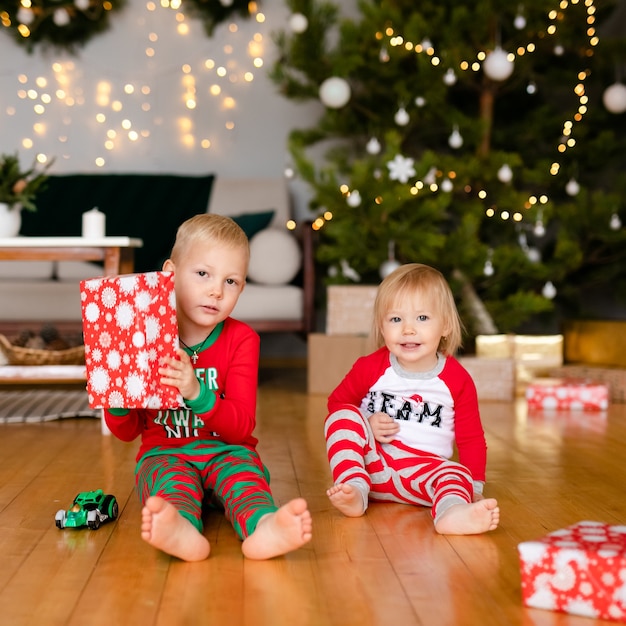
(59,519)
(93,521)
(110,507)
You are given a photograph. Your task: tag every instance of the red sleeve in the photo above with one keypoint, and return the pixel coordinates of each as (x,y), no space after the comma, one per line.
(358,381)
(469,434)
(127,426)
(233,415)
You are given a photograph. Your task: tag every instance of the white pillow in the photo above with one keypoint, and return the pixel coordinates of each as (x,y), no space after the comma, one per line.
(275,257)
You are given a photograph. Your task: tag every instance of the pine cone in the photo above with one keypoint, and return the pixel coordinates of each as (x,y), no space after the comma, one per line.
(49,333)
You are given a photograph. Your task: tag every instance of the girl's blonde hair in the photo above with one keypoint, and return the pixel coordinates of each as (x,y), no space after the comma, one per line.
(207,229)
(416,277)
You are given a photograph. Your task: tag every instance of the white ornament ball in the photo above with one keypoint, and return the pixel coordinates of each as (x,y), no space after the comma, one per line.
(549,290)
(616,222)
(373,146)
(334,92)
(226,3)
(572,188)
(455,140)
(505,174)
(401,117)
(387,267)
(25,16)
(420,101)
(519,22)
(531,88)
(497,65)
(488,269)
(449,78)
(61,17)
(354,199)
(446,185)
(298,23)
(614,98)
(82,5)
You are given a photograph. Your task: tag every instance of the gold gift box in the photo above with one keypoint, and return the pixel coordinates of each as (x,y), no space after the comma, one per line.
(534,355)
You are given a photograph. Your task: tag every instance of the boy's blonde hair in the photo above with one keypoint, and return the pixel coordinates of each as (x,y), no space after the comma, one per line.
(416,277)
(209,228)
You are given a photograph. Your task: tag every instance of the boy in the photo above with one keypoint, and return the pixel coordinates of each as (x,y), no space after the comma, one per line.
(206,448)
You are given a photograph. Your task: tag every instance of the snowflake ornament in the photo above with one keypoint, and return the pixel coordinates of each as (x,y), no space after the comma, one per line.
(401,168)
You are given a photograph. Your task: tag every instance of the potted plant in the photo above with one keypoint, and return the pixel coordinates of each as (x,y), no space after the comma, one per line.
(18,189)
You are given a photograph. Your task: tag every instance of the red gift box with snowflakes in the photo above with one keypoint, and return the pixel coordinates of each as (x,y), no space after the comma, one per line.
(129,326)
(564,394)
(580,570)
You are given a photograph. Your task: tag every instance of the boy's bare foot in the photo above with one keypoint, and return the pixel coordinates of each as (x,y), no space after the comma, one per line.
(278,533)
(469,519)
(163,527)
(347,499)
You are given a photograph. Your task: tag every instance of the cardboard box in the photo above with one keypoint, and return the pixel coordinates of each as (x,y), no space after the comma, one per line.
(330,358)
(129,325)
(350,309)
(577,570)
(567,394)
(534,355)
(494,378)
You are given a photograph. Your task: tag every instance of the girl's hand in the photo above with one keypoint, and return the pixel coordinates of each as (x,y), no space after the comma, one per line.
(383,427)
(179,373)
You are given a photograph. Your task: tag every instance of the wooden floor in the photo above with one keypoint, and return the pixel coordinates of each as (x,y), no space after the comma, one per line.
(386,568)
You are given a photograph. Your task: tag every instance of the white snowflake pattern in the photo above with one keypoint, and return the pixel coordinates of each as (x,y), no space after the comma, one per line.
(127,283)
(578,606)
(152,278)
(93,284)
(92,312)
(105,340)
(135,386)
(96,355)
(142,360)
(401,168)
(100,380)
(125,359)
(153,329)
(143,300)
(152,354)
(116,400)
(172,300)
(162,310)
(124,315)
(113,360)
(108,297)
(139,339)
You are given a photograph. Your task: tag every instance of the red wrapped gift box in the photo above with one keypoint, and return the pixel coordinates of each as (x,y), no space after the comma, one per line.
(129,325)
(580,570)
(567,394)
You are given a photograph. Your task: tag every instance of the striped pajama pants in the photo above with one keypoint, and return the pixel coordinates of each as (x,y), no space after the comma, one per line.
(392,472)
(186,475)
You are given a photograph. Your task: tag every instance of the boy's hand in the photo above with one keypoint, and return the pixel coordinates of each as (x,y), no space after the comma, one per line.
(383,427)
(179,373)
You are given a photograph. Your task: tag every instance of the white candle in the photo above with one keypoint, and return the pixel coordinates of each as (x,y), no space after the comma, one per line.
(93,224)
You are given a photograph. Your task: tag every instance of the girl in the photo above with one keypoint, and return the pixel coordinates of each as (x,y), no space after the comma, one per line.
(394,419)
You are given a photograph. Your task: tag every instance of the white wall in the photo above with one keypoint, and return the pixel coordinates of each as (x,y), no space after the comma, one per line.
(170,134)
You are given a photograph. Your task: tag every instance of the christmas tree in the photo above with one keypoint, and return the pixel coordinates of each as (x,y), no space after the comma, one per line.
(484,138)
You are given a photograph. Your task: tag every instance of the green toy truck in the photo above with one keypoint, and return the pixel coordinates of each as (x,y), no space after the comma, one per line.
(90,508)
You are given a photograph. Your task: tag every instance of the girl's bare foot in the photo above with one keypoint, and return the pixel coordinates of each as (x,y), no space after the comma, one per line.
(163,527)
(347,498)
(469,519)
(278,533)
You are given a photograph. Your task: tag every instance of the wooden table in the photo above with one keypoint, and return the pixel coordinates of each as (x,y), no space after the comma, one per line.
(117,253)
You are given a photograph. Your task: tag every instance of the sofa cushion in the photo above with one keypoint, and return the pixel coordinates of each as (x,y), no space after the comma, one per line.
(275,257)
(252,223)
(150,207)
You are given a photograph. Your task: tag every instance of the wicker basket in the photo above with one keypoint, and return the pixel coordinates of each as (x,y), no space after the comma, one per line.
(16,355)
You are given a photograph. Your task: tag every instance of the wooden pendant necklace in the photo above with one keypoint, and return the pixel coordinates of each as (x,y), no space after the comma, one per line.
(199,348)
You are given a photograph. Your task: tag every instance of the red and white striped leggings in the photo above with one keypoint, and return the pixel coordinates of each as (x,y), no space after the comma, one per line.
(392,472)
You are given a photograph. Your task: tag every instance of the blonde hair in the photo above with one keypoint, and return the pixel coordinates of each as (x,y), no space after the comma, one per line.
(207,229)
(416,277)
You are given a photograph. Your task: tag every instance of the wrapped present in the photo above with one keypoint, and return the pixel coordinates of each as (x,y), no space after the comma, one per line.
(579,570)
(129,326)
(567,394)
